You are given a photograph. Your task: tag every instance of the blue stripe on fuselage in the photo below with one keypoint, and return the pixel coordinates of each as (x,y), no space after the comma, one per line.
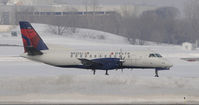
(104,64)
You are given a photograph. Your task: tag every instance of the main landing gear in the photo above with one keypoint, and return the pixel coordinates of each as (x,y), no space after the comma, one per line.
(156,73)
(94,71)
(106,72)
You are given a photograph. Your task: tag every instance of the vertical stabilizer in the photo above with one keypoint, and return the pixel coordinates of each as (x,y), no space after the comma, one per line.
(31,40)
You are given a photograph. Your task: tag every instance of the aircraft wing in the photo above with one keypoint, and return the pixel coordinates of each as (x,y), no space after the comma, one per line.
(190,59)
(104,63)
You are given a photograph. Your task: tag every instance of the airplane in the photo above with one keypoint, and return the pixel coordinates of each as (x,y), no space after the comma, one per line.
(35,49)
(190,59)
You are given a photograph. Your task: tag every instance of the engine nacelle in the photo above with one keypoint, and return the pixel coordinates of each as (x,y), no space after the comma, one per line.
(108,63)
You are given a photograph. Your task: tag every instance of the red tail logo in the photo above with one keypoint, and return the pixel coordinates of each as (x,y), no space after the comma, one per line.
(30,37)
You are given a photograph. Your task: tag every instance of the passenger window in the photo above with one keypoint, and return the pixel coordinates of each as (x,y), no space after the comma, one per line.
(100,56)
(104,56)
(95,56)
(90,56)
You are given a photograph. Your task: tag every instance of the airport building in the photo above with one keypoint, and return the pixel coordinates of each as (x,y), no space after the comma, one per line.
(10,9)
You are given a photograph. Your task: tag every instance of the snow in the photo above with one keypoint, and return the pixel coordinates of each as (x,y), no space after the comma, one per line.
(84,36)
(22,80)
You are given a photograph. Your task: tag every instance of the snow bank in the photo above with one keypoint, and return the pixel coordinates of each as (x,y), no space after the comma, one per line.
(100,89)
(84,36)
(99,85)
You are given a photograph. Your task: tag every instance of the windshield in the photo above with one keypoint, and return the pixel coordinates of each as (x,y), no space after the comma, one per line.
(155,55)
(158,55)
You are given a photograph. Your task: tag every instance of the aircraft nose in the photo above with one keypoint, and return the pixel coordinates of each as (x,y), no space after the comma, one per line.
(169,64)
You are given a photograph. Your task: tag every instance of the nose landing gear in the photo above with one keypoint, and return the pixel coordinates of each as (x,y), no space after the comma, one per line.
(94,71)
(156,73)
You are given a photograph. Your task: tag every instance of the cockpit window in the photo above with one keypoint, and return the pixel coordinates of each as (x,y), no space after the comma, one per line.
(155,55)
(152,55)
(158,55)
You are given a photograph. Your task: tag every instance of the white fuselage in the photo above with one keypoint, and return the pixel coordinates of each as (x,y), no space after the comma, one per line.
(130,59)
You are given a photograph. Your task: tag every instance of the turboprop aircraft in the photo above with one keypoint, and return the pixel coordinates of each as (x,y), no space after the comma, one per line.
(35,49)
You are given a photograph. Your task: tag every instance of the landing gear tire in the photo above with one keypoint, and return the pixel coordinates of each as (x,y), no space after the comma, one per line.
(156,73)
(156,76)
(106,72)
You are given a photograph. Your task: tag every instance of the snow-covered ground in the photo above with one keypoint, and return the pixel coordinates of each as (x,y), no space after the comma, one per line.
(81,36)
(22,80)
